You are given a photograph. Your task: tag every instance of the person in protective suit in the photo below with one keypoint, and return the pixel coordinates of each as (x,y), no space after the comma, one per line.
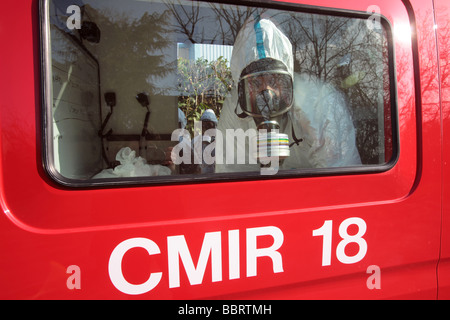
(268,95)
(200,142)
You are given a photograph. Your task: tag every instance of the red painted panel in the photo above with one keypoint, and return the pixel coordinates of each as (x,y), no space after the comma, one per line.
(443,36)
(46,228)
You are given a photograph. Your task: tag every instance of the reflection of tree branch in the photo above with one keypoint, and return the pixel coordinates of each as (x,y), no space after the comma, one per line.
(320,35)
(229,20)
(187,21)
(233,18)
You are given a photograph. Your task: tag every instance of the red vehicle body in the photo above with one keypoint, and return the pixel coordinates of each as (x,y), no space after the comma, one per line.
(59,243)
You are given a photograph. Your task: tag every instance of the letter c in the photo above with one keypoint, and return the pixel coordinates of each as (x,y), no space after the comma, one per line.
(115,266)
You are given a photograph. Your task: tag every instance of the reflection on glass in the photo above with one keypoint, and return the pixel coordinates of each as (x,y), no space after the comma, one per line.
(198,63)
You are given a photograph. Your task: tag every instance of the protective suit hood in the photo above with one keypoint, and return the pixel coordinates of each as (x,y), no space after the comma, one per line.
(259,38)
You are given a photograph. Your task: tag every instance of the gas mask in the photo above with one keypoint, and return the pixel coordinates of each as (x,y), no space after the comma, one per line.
(265,92)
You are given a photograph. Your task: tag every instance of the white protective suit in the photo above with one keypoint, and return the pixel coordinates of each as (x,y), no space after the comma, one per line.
(319,115)
(200,142)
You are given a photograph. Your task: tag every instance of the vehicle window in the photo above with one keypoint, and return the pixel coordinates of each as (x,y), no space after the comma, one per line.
(155,91)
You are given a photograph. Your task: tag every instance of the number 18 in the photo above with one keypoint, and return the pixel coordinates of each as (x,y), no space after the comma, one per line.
(326,231)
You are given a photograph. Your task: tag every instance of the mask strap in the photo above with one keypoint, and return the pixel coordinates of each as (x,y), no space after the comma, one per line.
(241,115)
(296,140)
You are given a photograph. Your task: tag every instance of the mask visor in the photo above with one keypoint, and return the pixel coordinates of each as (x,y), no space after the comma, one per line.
(266,94)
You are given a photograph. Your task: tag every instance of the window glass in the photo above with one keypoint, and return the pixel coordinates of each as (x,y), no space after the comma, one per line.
(160,90)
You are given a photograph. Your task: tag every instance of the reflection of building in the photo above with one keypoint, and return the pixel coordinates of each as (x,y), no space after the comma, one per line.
(209,52)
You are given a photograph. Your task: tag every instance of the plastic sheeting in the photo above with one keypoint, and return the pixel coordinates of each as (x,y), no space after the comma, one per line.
(132,166)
